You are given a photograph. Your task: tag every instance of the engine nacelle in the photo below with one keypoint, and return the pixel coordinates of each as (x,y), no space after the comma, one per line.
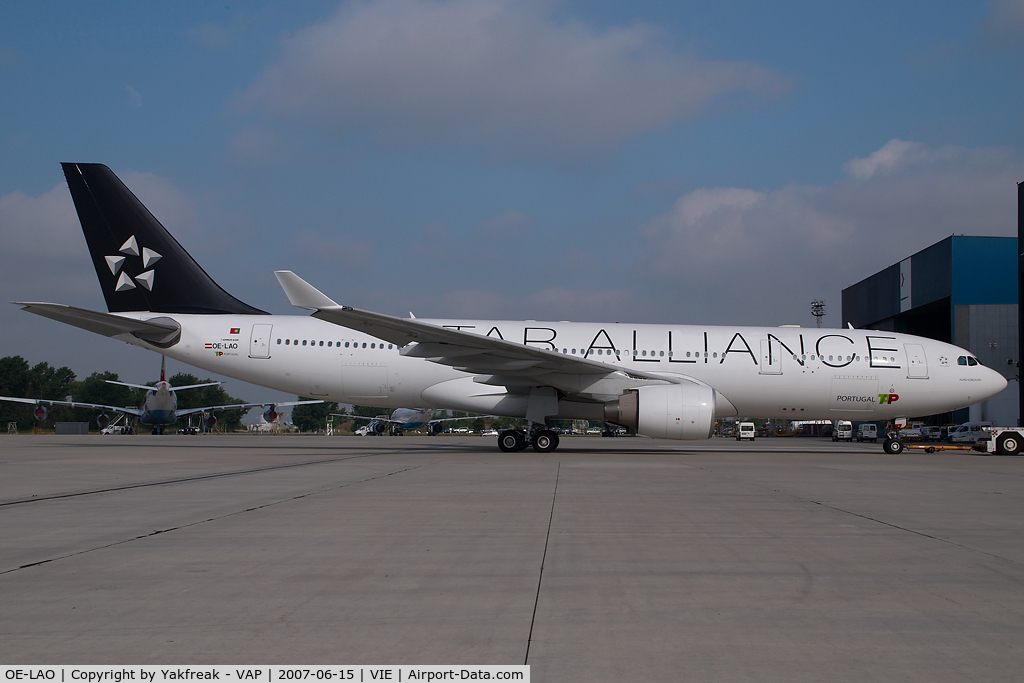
(378,427)
(270,414)
(674,411)
(210,420)
(436,428)
(103,420)
(40,413)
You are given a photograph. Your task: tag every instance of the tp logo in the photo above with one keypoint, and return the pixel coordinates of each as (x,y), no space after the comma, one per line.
(888,398)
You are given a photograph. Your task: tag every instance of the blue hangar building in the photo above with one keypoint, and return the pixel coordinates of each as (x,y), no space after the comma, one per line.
(962,290)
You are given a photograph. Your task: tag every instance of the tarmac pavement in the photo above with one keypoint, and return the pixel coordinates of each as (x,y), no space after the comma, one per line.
(606,560)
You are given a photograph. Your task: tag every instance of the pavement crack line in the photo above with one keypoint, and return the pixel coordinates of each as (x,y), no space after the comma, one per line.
(181,480)
(157,532)
(865,517)
(544,556)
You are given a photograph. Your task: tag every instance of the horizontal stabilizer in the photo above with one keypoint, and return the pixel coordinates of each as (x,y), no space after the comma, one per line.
(161,332)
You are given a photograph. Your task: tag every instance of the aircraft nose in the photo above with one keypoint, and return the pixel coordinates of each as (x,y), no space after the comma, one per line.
(993,382)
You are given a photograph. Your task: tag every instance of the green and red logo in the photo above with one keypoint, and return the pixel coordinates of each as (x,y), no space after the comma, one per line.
(888,398)
(235,330)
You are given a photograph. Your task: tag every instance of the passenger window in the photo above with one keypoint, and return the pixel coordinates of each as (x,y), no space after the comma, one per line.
(389,346)
(287,342)
(661,353)
(715,354)
(364,345)
(321,343)
(278,341)
(373,346)
(303,342)
(328,344)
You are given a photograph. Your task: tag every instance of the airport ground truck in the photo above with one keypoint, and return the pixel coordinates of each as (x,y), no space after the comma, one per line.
(998,440)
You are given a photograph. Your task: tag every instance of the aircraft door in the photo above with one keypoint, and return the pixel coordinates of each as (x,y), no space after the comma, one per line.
(259,343)
(917,363)
(771,359)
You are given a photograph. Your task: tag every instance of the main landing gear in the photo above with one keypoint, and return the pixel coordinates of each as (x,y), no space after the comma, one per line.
(542,440)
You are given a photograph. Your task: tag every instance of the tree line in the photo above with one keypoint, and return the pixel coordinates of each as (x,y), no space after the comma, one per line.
(19,380)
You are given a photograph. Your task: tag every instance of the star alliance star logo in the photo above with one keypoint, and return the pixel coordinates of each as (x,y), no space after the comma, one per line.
(131,248)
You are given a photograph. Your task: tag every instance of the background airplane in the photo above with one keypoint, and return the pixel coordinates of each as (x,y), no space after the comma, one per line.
(408,418)
(159,408)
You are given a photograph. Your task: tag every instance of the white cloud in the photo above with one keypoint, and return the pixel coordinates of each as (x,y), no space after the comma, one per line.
(211,36)
(507,225)
(1004,22)
(501,74)
(766,253)
(257,146)
(134,97)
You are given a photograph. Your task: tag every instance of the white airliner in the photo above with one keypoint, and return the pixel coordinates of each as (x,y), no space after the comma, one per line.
(159,408)
(408,418)
(664,381)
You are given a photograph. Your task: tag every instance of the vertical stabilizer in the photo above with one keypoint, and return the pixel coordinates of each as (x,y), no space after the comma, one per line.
(141,267)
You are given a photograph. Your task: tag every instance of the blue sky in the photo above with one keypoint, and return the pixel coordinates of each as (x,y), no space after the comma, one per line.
(712,162)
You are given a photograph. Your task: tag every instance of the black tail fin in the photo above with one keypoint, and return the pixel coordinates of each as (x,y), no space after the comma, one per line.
(140,266)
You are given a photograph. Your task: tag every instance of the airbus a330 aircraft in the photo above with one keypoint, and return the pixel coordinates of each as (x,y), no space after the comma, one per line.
(665,381)
(160,407)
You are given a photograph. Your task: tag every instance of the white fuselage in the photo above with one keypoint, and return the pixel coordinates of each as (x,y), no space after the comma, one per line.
(160,406)
(772,372)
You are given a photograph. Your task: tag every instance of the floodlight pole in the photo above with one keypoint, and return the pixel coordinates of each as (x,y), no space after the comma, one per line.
(818,310)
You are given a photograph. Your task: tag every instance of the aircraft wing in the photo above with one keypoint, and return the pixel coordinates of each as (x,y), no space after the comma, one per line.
(494,361)
(150,387)
(241,406)
(384,420)
(73,404)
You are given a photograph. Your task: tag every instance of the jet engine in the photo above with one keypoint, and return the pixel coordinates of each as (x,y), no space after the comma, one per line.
(435,428)
(40,413)
(210,420)
(270,414)
(378,427)
(673,411)
(103,420)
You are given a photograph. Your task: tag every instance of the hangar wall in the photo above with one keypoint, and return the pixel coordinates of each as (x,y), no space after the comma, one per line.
(961,290)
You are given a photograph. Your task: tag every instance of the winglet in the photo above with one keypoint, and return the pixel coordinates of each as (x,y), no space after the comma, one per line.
(302,294)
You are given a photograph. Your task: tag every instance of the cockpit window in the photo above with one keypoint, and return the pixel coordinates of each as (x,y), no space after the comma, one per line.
(971,360)
(962,360)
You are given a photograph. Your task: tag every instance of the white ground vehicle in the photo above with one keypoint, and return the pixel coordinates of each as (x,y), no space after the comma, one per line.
(1003,440)
(970,432)
(931,433)
(842,430)
(867,432)
(745,430)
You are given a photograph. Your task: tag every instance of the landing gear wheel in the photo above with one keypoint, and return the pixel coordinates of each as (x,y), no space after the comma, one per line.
(545,441)
(511,440)
(892,446)
(1008,444)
